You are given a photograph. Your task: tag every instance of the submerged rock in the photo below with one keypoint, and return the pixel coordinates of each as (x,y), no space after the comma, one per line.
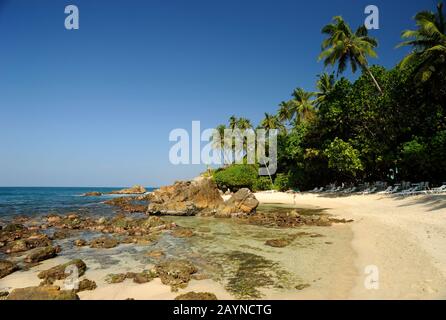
(182,232)
(186,198)
(197,296)
(175,273)
(60,272)
(7,267)
(302,286)
(144,277)
(80,243)
(40,254)
(156,254)
(278,243)
(104,243)
(42,293)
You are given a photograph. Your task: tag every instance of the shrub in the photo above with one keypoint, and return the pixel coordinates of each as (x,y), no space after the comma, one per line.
(262,184)
(343,158)
(236,177)
(282,182)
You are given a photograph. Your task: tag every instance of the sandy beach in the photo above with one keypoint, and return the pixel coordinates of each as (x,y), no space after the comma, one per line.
(404,237)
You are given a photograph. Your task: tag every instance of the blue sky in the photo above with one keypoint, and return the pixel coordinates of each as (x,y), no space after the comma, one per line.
(94,106)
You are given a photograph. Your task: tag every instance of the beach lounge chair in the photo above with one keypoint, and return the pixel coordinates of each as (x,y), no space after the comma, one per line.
(387,191)
(439,189)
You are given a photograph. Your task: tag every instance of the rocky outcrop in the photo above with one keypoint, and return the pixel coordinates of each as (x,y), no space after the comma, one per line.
(7,267)
(92,194)
(62,271)
(186,198)
(133,190)
(104,243)
(242,202)
(175,273)
(86,285)
(42,293)
(40,254)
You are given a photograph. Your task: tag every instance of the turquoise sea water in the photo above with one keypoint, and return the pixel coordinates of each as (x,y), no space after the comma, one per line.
(16,201)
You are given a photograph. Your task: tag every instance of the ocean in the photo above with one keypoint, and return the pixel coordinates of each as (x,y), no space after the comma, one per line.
(16,201)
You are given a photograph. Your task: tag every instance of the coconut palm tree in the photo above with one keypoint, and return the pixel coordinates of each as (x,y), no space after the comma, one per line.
(343,47)
(325,85)
(271,122)
(285,113)
(302,105)
(233,122)
(244,124)
(428,42)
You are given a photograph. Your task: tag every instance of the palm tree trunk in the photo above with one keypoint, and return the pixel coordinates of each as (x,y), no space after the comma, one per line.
(374,80)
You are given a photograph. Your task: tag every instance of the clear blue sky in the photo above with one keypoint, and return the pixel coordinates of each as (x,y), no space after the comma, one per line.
(94,107)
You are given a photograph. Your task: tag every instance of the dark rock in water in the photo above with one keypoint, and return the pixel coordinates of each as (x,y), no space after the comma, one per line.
(197,296)
(104,243)
(144,277)
(186,198)
(278,243)
(40,254)
(61,271)
(127,204)
(14,227)
(242,202)
(80,243)
(302,286)
(92,194)
(133,190)
(182,233)
(61,234)
(7,267)
(115,278)
(3,295)
(86,285)
(156,254)
(47,282)
(175,273)
(42,293)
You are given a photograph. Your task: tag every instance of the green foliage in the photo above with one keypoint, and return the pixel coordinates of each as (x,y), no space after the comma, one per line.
(236,177)
(263,184)
(343,158)
(281,182)
(348,131)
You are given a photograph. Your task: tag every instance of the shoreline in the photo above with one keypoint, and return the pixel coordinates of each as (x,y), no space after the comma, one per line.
(404,237)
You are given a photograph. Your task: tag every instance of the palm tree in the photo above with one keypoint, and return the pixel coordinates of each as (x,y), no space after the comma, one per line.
(428,42)
(233,122)
(325,85)
(271,122)
(302,106)
(285,113)
(343,47)
(244,124)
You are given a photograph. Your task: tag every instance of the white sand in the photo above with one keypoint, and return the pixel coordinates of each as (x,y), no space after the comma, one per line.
(404,237)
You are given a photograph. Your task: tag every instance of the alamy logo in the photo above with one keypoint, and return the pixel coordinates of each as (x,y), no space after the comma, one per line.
(72,20)
(372,20)
(223,148)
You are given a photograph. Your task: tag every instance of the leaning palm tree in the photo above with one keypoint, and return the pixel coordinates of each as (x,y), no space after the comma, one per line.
(428,42)
(325,85)
(343,47)
(302,105)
